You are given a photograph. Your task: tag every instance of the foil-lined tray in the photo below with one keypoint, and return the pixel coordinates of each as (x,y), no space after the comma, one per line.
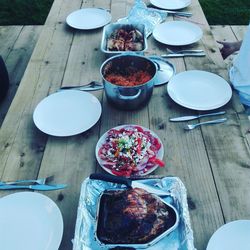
(179,239)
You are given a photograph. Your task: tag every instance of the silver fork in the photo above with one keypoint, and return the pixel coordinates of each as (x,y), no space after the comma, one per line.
(37,181)
(94,85)
(192,126)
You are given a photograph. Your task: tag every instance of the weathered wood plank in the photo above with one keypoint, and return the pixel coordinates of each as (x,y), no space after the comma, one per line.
(228,152)
(8,36)
(83,64)
(17,59)
(198,157)
(45,68)
(185,153)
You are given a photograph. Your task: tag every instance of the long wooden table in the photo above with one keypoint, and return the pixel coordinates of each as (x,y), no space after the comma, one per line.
(212,161)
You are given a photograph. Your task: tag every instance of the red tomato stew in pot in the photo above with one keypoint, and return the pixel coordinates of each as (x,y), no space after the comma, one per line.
(134,78)
(130,151)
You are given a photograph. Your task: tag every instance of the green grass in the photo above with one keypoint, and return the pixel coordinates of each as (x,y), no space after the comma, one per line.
(24,12)
(234,12)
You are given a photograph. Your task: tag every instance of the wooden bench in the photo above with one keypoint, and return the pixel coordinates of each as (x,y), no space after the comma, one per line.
(16,46)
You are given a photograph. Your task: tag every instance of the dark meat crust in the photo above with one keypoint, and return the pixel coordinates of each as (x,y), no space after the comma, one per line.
(131,216)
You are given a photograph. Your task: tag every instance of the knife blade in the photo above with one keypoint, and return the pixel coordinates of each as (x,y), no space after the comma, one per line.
(183,55)
(129,183)
(192,117)
(42,187)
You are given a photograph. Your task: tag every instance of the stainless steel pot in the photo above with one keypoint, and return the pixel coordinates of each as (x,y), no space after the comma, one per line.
(124,97)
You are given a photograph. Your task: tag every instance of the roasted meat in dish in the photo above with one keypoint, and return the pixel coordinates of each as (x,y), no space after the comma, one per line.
(132,216)
(125,39)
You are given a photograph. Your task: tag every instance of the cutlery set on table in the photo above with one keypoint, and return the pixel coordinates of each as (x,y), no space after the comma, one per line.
(193,117)
(38,184)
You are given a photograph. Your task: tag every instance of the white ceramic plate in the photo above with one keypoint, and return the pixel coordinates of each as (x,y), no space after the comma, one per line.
(171,4)
(102,139)
(29,221)
(199,90)
(88,18)
(231,236)
(66,113)
(177,33)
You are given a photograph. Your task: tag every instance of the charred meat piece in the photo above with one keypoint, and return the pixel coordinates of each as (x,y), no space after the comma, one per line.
(132,216)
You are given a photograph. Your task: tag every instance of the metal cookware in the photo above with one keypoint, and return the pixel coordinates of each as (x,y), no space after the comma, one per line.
(173,223)
(128,97)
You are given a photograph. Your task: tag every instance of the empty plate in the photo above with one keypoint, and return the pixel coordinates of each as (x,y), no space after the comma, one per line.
(66,113)
(29,221)
(199,90)
(231,236)
(171,4)
(177,33)
(89,18)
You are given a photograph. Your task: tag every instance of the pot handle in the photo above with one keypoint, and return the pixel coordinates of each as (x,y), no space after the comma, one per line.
(128,97)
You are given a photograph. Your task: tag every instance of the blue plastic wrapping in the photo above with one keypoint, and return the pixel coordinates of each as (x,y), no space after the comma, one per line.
(140,13)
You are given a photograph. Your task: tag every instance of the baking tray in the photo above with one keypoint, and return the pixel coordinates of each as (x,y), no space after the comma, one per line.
(172,211)
(181,238)
(110,28)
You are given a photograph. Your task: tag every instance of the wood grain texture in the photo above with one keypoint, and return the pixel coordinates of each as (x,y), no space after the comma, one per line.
(212,161)
(17,58)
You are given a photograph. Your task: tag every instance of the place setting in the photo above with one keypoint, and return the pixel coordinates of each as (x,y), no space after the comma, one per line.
(177,33)
(199,91)
(88,18)
(30,220)
(171,5)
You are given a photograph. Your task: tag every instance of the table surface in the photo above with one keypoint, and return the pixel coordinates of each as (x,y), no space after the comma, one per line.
(212,161)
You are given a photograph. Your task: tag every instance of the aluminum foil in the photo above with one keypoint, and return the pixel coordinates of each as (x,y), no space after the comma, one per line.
(150,17)
(180,239)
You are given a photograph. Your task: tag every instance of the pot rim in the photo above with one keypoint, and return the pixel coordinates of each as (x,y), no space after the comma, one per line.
(123,55)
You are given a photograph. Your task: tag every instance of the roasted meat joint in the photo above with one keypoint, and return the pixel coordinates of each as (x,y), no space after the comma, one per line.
(132,216)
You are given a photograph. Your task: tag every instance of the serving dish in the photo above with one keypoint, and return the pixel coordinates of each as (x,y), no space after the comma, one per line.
(128,230)
(85,230)
(128,93)
(143,166)
(109,29)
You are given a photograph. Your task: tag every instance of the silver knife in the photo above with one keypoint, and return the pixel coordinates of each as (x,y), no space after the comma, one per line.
(183,55)
(42,187)
(129,183)
(192,117)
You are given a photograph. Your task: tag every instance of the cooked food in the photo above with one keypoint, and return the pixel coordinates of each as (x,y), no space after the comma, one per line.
(132,78)
(132,216)
(130,150)
(125,39)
